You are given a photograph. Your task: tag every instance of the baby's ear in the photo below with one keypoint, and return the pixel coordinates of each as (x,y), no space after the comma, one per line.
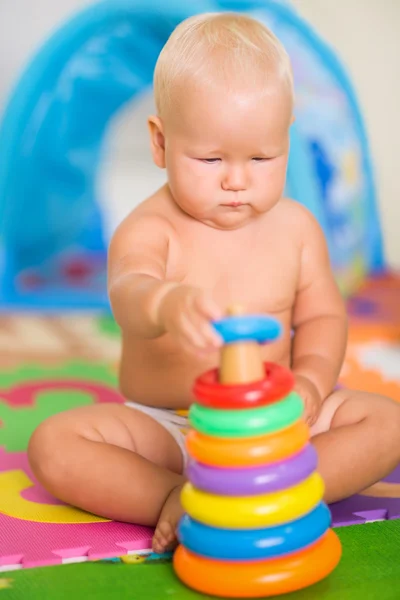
(157,140)
(293,119)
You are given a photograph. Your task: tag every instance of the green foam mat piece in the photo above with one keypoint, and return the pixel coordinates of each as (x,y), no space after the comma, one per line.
(17,422)
(369,570)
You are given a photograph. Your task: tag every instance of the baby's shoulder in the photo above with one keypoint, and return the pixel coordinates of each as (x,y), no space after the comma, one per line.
(147,226)
(295,217)
(290,209)
(152,213)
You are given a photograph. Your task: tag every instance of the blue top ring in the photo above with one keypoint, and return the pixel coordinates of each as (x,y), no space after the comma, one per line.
(254,328)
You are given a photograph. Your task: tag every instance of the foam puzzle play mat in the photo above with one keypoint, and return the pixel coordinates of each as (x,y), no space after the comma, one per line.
(54,363)
(59,346)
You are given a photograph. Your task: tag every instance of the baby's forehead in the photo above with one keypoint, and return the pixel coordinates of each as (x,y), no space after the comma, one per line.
(203,101)
(228,128)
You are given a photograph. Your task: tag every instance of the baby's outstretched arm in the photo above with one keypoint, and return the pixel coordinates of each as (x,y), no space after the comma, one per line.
(137,262)
(319,320)
(146,302)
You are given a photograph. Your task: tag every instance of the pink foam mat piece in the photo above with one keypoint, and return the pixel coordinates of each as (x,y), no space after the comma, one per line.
(23,394)
(11,559)
(36,544)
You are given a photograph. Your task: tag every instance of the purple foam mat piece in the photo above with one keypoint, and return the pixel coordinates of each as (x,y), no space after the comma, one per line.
(362,509)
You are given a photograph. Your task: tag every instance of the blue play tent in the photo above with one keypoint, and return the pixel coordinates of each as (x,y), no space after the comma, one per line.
(52,240)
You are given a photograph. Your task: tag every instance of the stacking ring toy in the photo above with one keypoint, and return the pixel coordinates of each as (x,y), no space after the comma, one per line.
(254,544)
(248,422)
(249,512)
(255,480)
(277,384)
(259,579)
(247,452)
(254,328)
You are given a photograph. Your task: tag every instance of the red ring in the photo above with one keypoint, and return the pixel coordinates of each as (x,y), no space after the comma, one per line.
(278,382)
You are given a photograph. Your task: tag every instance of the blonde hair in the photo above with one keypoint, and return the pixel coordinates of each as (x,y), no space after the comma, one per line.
(220,47)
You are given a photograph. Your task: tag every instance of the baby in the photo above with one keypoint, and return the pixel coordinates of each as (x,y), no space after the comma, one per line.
(219,232)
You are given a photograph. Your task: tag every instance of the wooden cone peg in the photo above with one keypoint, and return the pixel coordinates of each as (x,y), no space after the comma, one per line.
(241,362)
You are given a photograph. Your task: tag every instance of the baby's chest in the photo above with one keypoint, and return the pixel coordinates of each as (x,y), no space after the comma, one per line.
(261,278)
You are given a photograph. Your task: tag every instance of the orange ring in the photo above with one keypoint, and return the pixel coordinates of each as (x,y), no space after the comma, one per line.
(248,452)
(259,579)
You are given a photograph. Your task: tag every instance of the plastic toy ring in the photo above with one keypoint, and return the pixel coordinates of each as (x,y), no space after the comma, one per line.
(256,480)
(277,384)
(254,544)
(247,512)
(247,452)
(259,579)
(240,328)
(247,422)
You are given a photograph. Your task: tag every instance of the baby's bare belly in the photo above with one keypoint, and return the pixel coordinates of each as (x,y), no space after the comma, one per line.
(156,373)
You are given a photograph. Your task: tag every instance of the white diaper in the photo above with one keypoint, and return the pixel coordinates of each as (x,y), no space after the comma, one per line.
(174,421)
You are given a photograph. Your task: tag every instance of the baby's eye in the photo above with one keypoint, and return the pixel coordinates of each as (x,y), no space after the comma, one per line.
(260,158)
(210,161)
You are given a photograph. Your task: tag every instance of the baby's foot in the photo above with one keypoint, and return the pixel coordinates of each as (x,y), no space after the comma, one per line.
(164,539)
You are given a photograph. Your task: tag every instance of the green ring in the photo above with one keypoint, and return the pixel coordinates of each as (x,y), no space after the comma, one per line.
(250,422)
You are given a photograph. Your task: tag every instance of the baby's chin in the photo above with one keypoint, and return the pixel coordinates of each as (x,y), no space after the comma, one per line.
(221,216)
(228,217)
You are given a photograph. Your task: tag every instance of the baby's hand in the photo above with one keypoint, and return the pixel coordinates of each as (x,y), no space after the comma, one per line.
(185,312)
(310,395)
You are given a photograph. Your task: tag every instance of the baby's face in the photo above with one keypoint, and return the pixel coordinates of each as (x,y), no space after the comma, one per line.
(226,155)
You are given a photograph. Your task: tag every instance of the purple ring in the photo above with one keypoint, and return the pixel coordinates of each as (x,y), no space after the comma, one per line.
(254,480)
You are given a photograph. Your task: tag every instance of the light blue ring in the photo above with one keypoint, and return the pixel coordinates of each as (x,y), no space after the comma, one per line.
(254,544)
(257,328)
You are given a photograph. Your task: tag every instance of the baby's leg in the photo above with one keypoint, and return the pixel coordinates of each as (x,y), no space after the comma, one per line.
(357,437)
(108,459)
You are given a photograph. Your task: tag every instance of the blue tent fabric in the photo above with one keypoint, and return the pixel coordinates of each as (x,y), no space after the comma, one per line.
(51,143)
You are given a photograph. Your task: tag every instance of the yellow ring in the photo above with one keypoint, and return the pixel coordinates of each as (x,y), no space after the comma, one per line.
(248,512)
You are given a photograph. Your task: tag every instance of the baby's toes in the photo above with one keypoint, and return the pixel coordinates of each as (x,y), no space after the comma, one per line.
(159,542)
(167,532)
(165,537)
(171,540)
(161,537)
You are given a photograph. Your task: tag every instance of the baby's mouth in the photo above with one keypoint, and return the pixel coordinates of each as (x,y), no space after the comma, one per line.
(234,204)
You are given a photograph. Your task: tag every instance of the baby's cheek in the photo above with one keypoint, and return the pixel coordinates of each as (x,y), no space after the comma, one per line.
(186,173)
(187,188)
(198,182)
(178,179)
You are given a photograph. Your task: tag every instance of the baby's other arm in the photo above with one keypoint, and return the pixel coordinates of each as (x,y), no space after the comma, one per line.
(319,314)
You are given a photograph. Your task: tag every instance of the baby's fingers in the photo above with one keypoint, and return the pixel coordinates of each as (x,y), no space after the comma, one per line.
(206,306)
(210,336)
(191,333)
(197,332)
(310,414)
(204,310)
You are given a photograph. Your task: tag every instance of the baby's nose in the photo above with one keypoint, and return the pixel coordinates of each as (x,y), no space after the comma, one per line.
(235,179)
